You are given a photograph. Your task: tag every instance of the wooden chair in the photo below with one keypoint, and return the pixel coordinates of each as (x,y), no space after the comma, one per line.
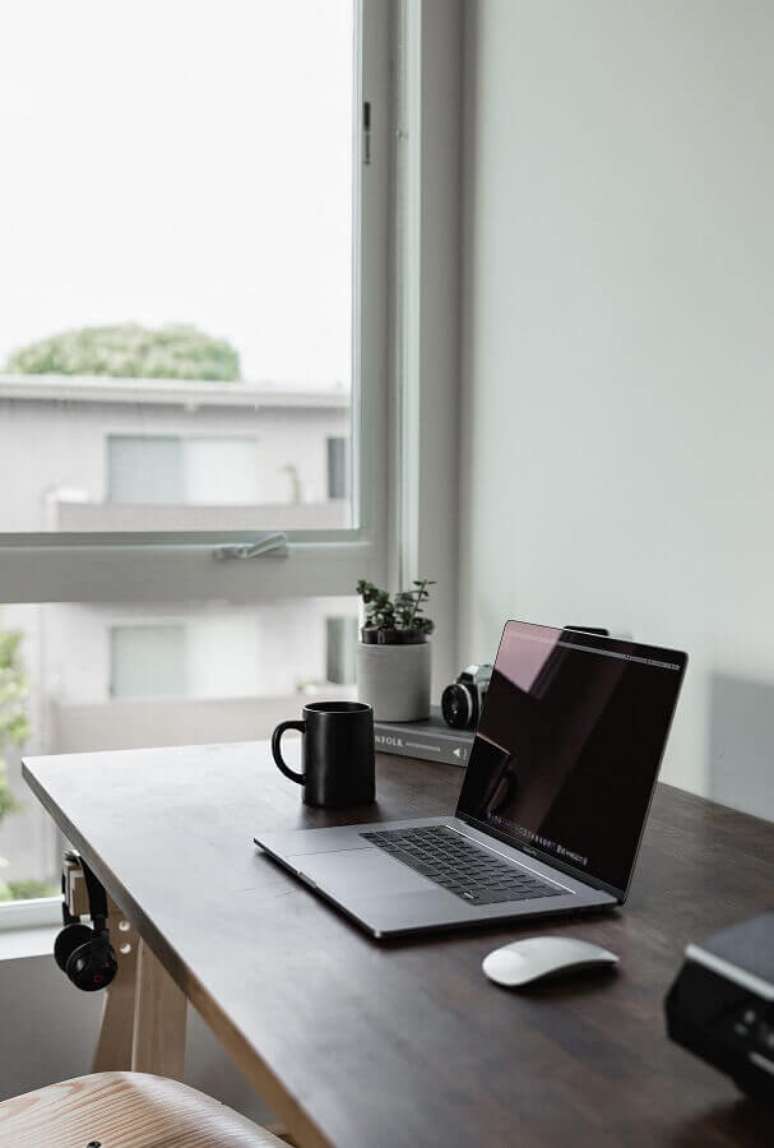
(125,1110)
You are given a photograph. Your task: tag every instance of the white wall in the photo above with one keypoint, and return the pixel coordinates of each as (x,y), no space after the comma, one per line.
(618,348)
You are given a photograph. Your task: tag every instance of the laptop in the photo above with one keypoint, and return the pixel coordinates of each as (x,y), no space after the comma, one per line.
(552,806)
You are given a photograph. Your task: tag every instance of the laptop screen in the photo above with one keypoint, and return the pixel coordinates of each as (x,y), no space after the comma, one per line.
(568,747)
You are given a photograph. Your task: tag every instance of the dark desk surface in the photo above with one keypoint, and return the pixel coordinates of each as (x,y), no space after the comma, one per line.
(364,1045)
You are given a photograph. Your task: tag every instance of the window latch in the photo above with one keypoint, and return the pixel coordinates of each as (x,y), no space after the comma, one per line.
(272,545)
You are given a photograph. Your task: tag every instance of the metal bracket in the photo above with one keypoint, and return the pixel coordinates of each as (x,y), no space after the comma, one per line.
(268,545)
(74,885)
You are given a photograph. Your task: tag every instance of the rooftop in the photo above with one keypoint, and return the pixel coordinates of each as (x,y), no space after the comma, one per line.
(174,392)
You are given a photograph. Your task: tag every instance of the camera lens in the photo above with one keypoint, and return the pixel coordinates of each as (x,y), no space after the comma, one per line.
(456,706)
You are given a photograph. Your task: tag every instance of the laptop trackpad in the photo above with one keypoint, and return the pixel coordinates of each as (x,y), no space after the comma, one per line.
(369,872)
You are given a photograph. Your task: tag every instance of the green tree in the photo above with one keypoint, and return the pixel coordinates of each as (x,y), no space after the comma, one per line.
(14,723)
(129,351)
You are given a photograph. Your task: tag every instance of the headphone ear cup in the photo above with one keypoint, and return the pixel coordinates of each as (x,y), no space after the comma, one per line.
(92,965)
(70,938)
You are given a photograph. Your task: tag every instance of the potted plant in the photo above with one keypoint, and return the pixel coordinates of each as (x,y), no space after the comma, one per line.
(393,657)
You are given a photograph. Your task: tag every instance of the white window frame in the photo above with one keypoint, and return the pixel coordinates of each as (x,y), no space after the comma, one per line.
(430,241)
(137,567)
(159,568)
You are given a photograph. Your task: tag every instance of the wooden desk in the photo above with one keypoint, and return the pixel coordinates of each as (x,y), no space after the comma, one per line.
(361,1045)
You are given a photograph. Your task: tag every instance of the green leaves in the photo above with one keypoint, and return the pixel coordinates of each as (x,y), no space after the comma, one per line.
(10,640)
(8,803)
(401,615)
(14,690)
(27,890)
(14,723)
(129,351)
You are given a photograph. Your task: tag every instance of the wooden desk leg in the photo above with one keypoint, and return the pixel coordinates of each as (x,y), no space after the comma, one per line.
(159,1019)
(114,1044)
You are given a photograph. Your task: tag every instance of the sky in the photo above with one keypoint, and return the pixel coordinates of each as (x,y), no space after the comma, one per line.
(181,161)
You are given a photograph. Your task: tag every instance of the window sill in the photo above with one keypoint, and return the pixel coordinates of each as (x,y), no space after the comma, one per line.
(40,913)
(17,943)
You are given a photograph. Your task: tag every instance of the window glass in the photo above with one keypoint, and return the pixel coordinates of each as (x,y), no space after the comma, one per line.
(148,661)
(145,468)
(341,644)
(149,469)
(78,678)
(221,471)
(182,288)
(338,468)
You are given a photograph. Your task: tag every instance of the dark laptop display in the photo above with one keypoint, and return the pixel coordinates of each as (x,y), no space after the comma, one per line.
(569,745)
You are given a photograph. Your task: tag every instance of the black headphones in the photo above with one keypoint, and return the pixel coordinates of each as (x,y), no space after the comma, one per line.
(83,952)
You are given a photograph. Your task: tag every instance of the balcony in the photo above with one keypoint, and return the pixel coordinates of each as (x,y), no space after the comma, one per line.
(115,724)
(115,517)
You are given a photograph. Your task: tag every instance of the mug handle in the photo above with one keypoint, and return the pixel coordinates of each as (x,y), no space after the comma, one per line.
(276,738)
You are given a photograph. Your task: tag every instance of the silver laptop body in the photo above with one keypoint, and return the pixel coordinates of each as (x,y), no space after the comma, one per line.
(554,798)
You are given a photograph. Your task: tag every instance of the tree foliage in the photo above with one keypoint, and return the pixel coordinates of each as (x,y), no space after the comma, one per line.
(27,890)
(14,723)
(129,351)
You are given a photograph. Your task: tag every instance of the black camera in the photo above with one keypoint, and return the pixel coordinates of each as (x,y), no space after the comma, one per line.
(463,700)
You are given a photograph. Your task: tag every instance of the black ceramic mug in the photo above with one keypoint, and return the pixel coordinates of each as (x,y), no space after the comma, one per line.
(337,753)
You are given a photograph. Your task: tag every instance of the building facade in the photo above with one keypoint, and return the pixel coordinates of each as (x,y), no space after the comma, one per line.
(107,455)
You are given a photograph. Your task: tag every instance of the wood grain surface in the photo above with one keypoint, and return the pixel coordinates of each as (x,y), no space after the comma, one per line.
(113,1051)
(159,1021)
(359,1044)
(125,1110)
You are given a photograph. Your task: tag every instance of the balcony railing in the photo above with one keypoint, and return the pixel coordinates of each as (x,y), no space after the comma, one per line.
(117,517)
(130,724)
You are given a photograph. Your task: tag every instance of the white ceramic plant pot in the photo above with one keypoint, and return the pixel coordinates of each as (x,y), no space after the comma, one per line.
(395,680)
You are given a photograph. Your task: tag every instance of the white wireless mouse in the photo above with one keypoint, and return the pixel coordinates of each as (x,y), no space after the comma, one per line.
(537,957)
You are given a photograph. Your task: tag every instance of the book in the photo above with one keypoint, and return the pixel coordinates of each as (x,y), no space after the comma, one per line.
(431,739)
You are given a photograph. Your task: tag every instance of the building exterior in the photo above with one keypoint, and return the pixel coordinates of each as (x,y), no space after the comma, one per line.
(108,455)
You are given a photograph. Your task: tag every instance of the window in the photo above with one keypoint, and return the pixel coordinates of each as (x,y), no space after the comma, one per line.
(158,300)
(90,676)
(144,469)
(148,662)
(188,319)
(207,654)
(150,469)
(340,647)
(167,306)
(187,278)
(338,484)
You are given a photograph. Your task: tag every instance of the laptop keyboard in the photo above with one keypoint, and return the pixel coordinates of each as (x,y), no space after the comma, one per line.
(477,875)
